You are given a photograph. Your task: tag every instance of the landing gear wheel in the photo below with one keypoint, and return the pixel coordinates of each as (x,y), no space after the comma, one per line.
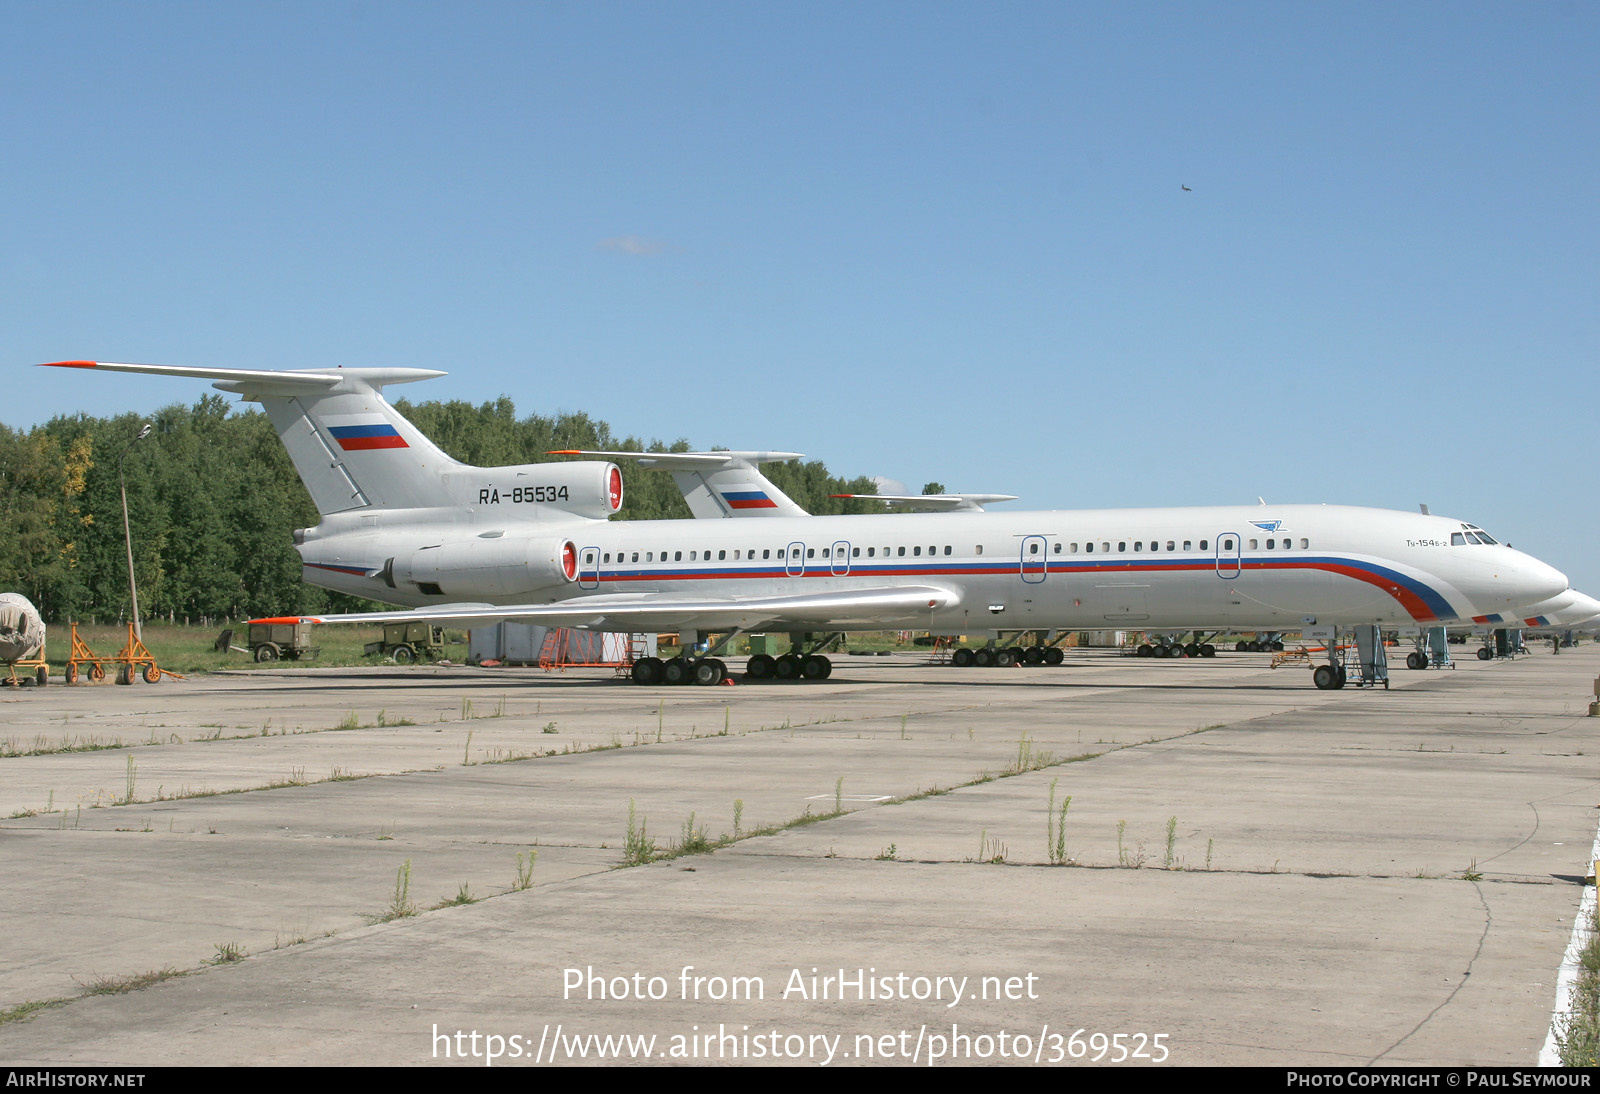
(1485,653)
(1324,677)
(787,667)
(1192,649)
(1241,646)
(710,672)
(1147,650)
(1277,647)
(403,654)
(983,658)
(1207,650)
(266,652)
(1033,655)
(816,667)
(1341,677)
(676,671)
(1416,661)
(962,658)
(1005,659)
(1054,656)
(647,670)
(760,666)
(152,674)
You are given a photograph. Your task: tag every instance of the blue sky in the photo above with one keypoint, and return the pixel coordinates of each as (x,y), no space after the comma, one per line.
(927,241)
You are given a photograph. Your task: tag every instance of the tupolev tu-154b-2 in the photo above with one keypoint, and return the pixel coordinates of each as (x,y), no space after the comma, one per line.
(404,524)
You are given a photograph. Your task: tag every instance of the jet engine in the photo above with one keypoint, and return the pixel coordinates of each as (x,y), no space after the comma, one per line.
(588,488)
(495,565)
(21,629)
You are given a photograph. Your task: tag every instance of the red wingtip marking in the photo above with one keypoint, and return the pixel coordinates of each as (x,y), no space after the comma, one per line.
(565,452)
(284,619)
(68,364)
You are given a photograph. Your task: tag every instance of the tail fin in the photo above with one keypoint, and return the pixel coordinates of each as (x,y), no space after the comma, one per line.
(352,449)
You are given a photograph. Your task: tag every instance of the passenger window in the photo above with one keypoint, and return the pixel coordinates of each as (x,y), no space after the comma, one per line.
(1187,545)
(871,551)
(917,551)
(1055,548)
(1033,548)
(1073,549)
(1272,545)
(811,552)
(855,552)
(825,551)
(947,548)
(606,557)
(721,555)
(1170,547)
(1305,544)
(902,552)
(1252,545)
(1138,545)
(978,549)
(1088,548)
(677,556)
(1121,546)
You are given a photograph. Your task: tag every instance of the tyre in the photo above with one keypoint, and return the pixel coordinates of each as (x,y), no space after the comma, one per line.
(1323,677)
(760,666)
(676,671)
(962,658)
(42,677)
(266,652)
(72,672)
(709,673)
(152,674)
(403,654)
(1485,653)
(647,670)
(1005,659)
(816,667)
(787,667)
(1054,656)
(983,658)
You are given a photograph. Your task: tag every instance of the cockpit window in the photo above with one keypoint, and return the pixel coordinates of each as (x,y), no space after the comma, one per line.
(1486,537)
(1457,539)
(1472,537)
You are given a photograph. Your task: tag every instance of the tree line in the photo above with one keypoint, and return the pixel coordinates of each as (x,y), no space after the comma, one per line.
(213,499)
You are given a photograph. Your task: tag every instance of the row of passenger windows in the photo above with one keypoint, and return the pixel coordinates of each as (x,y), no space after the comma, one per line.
(779,554)
(1034,547)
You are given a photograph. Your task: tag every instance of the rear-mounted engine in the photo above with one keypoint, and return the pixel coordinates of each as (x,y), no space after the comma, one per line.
(486,566)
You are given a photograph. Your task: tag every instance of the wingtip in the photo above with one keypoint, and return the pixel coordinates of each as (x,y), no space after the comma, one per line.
(69,364)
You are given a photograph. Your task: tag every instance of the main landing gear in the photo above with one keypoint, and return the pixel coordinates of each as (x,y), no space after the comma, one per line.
(706,671)
(1007,657)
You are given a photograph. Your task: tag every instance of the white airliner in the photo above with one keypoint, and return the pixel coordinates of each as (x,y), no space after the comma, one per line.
(405,524)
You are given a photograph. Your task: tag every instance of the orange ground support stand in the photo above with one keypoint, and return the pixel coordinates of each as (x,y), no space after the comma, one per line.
(129,658)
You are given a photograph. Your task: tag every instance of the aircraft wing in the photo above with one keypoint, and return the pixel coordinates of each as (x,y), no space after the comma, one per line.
(885,606)
(934,503)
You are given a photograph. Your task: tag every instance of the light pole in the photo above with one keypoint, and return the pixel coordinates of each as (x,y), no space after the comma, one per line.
(127,536)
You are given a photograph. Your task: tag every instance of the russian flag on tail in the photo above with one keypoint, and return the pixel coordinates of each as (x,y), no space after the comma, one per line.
(356,438)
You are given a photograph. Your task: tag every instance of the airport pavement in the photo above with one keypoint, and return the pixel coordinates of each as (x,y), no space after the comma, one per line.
(1248,871)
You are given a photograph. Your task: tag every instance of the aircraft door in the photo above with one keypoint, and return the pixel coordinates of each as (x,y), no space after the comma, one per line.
(1229,549)
(589,568)
(1035,560)
(794,560)
(839,564)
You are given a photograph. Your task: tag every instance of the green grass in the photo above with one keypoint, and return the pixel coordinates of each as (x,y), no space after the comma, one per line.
(188,649)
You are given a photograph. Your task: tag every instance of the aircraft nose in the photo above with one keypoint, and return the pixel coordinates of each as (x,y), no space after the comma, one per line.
(1535,581)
